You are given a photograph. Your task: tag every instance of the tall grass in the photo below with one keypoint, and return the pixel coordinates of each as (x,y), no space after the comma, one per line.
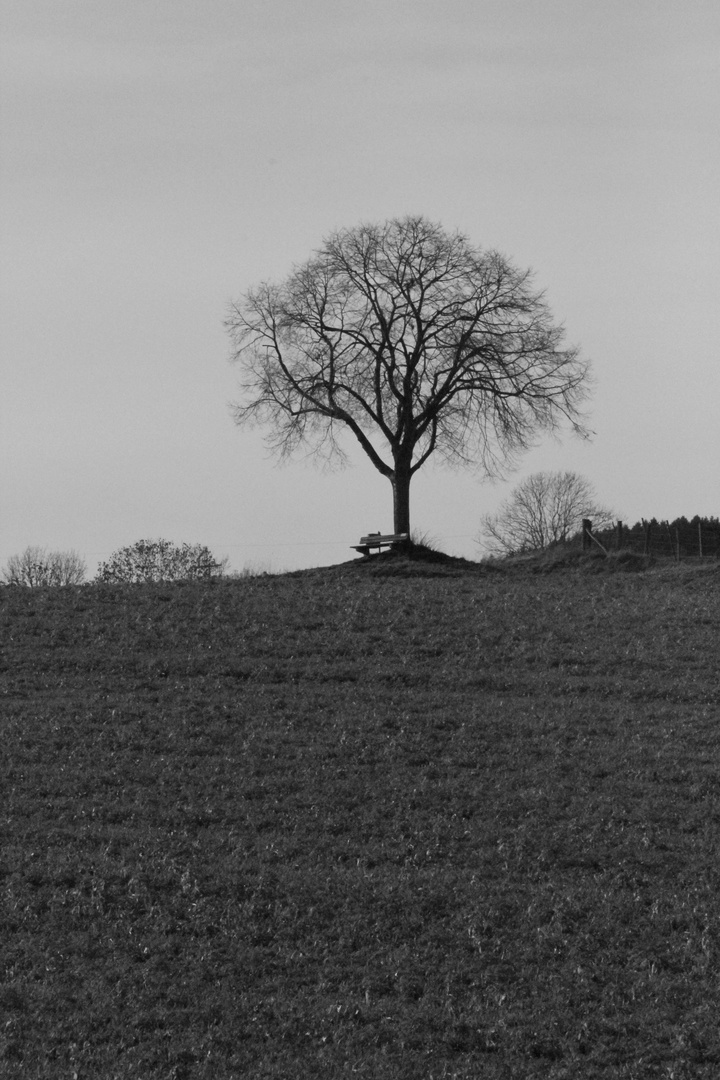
(430,823)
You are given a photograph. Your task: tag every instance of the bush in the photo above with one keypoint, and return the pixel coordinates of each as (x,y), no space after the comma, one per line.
(545,509)
(37,566)
(160,560)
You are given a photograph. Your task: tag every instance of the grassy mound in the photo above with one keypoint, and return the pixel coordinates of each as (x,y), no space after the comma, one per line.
(413,560)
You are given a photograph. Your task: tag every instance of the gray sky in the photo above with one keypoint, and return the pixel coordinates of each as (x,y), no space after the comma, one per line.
(159,159)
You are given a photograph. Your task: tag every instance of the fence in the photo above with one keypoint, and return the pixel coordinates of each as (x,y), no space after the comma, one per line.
(679,539)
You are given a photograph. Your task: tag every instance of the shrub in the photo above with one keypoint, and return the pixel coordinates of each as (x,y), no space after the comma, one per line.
(543,510)
(160,560)
(37,566)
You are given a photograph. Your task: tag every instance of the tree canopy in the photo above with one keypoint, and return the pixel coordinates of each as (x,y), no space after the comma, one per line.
(414,341)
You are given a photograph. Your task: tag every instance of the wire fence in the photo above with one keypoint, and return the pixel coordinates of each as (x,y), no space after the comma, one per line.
(698,538)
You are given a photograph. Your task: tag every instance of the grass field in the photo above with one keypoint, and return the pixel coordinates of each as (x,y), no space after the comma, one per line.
(390,820)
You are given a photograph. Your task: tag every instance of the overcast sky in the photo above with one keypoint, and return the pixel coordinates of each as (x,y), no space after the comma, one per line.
(159,159)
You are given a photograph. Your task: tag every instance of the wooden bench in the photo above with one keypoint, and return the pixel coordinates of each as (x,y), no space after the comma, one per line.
(379,540)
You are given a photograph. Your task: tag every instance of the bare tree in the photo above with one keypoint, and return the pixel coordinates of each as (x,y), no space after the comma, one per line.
(544,509)
(160,560)
(37,566)
(415,342)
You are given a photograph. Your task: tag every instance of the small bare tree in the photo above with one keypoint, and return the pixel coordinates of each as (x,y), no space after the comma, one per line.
(37,566)
(544,509)
(413,341)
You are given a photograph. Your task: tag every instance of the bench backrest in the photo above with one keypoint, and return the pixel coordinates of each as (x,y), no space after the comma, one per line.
(379,538)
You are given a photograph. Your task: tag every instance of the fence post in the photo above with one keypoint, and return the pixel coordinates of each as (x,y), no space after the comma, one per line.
(587,529)
(700,539)
(677,542)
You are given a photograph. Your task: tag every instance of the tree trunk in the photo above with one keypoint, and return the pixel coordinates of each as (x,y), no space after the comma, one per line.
(400,481)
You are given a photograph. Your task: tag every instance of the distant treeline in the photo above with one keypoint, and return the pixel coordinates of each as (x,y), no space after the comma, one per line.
(678,539)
